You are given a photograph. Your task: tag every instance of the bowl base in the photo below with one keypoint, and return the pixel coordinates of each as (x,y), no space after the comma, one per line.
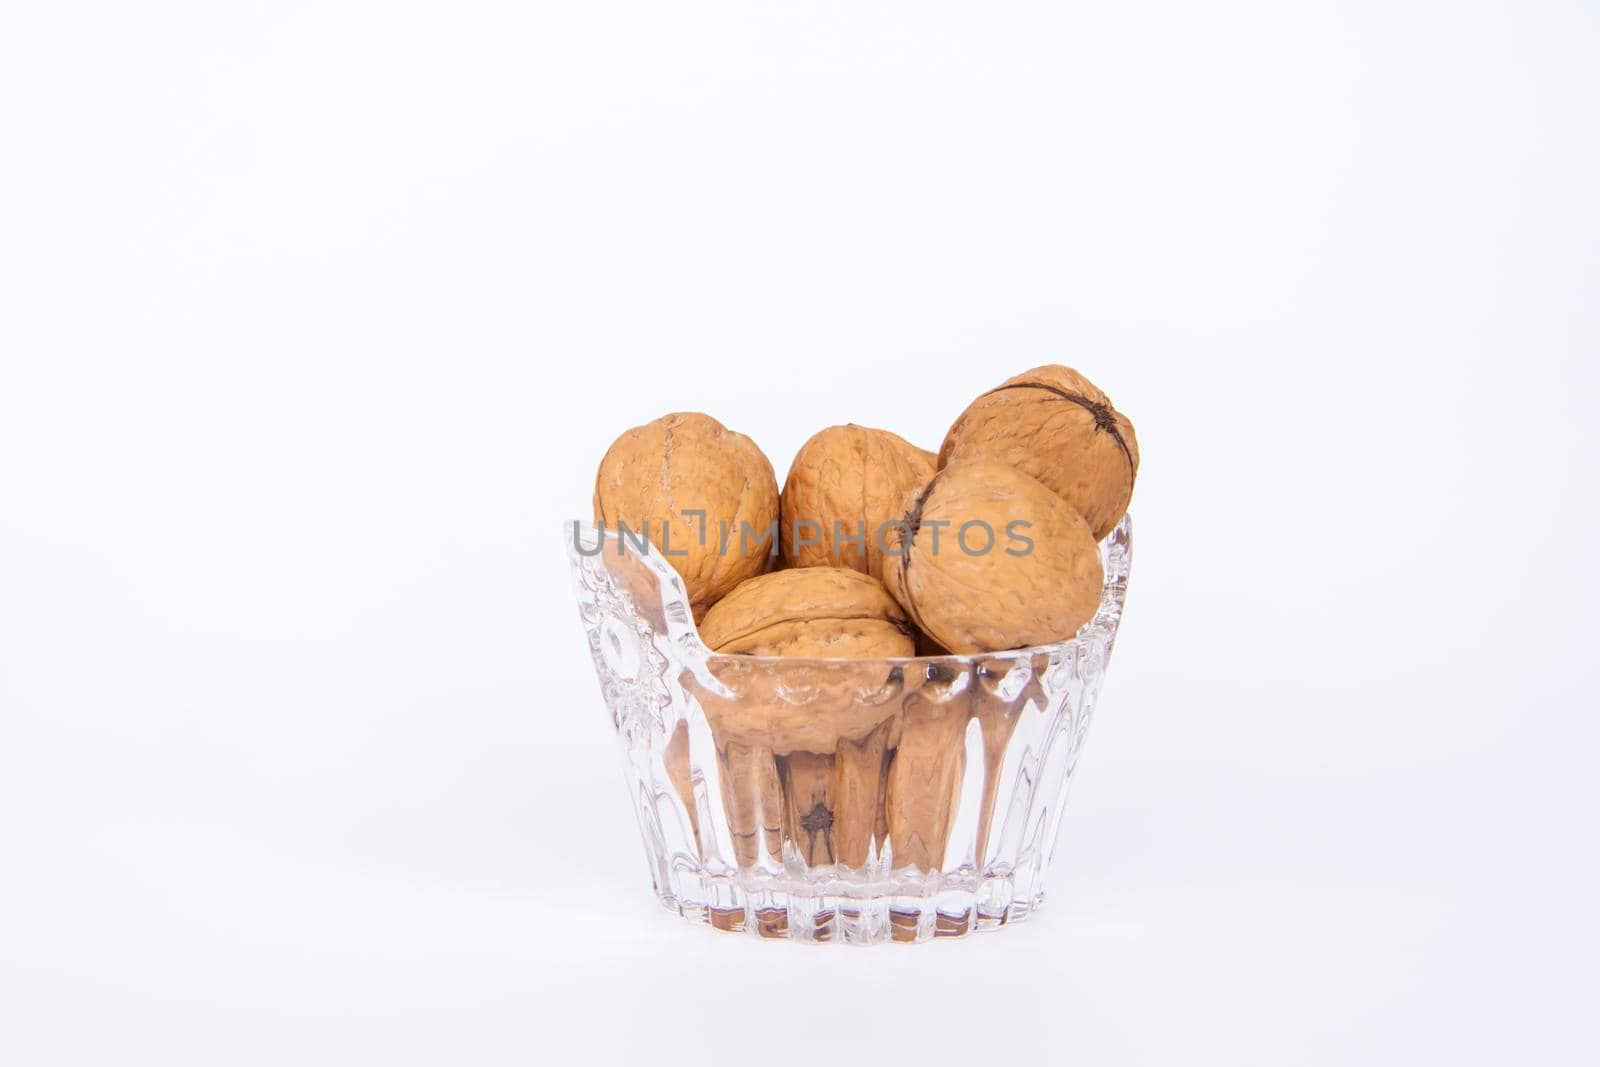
(865,917)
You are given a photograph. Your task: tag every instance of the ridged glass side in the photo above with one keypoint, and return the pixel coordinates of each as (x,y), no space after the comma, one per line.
(844,801)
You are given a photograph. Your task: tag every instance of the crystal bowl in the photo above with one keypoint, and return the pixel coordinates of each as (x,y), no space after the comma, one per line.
(843,801)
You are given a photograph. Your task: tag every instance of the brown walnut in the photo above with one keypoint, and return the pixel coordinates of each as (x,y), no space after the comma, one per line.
(1054,424)
(1037,582)
(850,480)
(655,475)
(818,612)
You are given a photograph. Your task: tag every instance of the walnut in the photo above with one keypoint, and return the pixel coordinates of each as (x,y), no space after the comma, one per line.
(819,612)
(705,496)
(848,480)
(1052,423)
(995,560)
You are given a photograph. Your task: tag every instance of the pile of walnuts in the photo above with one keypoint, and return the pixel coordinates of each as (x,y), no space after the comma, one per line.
(876,547)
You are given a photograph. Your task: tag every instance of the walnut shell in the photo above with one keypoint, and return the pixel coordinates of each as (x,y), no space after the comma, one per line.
(1035,584)
(1054,424)
(820,612)
(851,480)
(654,475)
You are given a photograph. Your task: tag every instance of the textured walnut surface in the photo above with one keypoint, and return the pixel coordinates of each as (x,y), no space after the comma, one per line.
(1005,597)
(1054,424)
(855,477)
(660,472)
(821,612)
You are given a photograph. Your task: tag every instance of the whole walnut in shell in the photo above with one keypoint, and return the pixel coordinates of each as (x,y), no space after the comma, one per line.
(705,496)
(818,612)
(991,559)
(845,484)
(1054,424)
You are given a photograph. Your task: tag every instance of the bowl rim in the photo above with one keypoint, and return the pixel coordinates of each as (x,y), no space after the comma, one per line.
(1116,554)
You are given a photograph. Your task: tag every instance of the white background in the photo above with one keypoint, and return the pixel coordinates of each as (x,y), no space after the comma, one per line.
(315,319)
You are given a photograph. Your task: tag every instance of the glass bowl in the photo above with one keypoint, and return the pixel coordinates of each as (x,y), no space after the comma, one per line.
(843,801)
